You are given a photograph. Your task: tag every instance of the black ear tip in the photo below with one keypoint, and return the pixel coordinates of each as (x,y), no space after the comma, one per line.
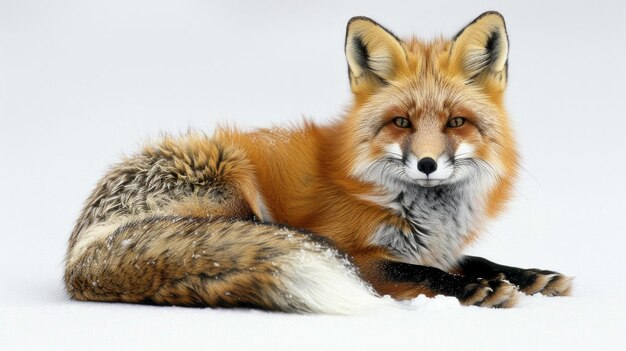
(491,13)
(484,15)
(360,18)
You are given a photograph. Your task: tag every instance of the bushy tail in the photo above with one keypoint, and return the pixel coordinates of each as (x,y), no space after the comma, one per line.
(213,262)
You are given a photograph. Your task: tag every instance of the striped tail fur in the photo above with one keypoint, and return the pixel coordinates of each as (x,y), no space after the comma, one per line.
(142,238)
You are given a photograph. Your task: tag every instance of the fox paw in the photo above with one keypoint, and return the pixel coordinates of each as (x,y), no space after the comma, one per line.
(547,283)
(497,293)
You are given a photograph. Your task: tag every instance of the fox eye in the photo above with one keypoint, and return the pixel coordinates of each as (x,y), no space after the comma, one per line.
(456,122)
(401,122)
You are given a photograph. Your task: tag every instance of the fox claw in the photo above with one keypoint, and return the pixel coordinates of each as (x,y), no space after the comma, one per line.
(497,293)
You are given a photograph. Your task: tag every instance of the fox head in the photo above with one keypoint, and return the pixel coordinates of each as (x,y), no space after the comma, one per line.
(429,113)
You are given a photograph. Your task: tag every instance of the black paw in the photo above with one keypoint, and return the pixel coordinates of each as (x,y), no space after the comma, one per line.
(532,281)
(497,292)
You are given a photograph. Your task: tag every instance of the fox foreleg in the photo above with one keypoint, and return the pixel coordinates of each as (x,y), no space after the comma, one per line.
(407,281)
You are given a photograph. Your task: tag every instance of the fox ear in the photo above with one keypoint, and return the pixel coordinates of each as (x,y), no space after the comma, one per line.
(481,50)
(374,54)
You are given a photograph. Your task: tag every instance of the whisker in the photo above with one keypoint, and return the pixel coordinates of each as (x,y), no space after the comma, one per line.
(400,156)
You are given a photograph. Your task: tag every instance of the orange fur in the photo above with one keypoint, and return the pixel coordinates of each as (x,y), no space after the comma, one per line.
(199,220)
(304,174)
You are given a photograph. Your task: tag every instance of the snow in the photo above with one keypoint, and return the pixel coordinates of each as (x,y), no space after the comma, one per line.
(49,321)
(83,82)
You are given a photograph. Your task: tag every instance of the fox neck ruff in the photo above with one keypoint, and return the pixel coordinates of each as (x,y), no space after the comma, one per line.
(440,220)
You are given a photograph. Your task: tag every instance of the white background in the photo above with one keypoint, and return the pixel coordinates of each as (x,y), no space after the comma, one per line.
(83,82)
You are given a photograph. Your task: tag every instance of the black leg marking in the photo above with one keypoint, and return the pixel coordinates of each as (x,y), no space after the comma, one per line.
(494,292)
(529,281)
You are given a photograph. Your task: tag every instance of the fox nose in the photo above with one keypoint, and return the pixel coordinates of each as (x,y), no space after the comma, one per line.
(427,165)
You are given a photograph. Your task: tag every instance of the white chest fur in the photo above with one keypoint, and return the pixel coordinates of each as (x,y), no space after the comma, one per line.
(440,219)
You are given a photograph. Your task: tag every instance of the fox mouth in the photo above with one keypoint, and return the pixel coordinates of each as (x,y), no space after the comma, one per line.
(429,183)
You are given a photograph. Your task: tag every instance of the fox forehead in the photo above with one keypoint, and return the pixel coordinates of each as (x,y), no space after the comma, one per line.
(426,56)
(429,96)
(432,84)
(429,83)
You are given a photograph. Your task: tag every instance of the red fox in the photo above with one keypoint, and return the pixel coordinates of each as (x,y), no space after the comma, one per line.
(324,218)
